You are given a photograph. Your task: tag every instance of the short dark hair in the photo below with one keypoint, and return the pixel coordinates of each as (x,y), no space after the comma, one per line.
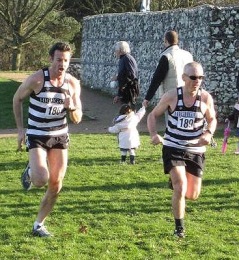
(60,46)
(125,109)
(171,37)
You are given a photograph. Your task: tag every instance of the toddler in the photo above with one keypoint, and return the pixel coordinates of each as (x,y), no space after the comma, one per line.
(125,125)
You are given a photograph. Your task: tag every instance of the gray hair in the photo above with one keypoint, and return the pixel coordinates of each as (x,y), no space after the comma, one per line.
(122,46)
(190,65)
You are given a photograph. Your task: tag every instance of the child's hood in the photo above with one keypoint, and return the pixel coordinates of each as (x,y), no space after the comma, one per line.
(119,118)
(125,118)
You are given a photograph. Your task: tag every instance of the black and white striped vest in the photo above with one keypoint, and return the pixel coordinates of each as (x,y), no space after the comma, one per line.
(46,114)
(185,125)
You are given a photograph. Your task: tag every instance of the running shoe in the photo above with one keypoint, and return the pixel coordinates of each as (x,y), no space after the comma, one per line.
(41,231)
(179,232)
(170,184)
(25,179)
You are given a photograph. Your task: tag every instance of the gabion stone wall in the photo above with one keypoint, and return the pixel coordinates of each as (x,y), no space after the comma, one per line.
(210,33)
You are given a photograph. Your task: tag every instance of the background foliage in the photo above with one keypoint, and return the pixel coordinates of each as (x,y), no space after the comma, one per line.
(30,27)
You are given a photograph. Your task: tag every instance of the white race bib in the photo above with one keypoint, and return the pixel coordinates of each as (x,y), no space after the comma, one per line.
(185,123)
(54,111)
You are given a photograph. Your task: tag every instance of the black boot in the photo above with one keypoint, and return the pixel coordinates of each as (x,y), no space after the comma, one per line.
(131,158)
(123,158)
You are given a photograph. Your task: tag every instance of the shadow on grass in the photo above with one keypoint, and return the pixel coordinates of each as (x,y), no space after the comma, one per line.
(109,160)
(130,198)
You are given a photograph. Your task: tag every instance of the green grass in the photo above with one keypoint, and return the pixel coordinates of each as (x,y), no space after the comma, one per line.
(125,209)
(7,91)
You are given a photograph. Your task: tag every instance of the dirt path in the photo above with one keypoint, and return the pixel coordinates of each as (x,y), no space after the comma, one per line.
(17,76)
(97,108)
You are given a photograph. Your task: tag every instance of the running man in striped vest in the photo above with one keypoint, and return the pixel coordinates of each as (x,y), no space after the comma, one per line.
(184,143)
(53,93)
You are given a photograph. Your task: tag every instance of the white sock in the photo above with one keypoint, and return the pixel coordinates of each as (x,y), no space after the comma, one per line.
(30,173)
(37,224)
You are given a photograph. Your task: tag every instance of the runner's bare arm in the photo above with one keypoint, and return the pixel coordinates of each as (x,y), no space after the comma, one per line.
(32,83)
(75,109)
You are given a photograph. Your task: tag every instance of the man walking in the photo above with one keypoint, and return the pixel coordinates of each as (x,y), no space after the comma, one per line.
(169,71)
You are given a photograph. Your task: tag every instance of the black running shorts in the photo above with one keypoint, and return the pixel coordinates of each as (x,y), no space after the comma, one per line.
(194,163)
(46,142)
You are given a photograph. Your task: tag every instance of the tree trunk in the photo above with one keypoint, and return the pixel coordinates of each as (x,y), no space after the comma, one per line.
(16,58)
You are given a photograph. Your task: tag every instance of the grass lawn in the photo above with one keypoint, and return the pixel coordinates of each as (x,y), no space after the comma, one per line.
(7,91)
(112,211)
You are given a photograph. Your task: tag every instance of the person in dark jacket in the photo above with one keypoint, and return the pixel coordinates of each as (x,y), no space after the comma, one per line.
(127,77)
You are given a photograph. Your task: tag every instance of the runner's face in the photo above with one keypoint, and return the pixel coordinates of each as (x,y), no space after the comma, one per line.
(193,78)
(61,61)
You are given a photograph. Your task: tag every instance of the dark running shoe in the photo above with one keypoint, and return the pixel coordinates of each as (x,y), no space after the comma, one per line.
(170,185)
(41,231)
(179,232)
(25,179)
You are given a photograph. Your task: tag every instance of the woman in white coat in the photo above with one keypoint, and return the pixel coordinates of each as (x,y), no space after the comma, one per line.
(125,125)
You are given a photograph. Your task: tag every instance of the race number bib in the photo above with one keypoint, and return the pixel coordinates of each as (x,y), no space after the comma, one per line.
(185,123)
(54,111)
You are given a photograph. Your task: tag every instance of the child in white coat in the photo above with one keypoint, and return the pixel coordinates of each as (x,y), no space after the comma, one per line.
(125,125)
